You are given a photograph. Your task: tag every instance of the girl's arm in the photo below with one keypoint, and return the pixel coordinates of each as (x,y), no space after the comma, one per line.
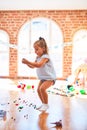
(24,61)
(35,64)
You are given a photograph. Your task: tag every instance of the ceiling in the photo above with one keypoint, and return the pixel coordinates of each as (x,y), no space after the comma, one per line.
(43,4)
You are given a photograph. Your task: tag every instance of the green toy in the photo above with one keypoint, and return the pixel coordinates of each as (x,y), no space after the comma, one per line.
(28,87)
(82,91)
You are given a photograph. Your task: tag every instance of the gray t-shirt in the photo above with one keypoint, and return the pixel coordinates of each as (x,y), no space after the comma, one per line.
(46,72)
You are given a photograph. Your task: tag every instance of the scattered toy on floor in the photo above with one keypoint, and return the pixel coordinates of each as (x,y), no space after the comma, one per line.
(58,123)
(21,85)
(3,114)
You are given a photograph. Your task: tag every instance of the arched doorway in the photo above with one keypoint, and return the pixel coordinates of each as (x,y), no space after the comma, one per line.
(4,54)
(29,33)
(79,48)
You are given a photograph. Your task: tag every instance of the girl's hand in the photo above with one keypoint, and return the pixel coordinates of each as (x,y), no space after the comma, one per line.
(24,61)
(28,63)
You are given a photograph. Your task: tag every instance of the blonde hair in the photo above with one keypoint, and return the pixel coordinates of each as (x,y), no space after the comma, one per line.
(42,43)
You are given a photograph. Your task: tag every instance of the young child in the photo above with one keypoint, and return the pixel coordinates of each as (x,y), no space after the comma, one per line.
(45,71)
(81,75)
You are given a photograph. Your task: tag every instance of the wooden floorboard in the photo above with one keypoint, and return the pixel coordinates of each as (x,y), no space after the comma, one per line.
(21,114)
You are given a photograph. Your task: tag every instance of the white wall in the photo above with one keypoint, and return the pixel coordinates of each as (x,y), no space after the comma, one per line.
(42,4)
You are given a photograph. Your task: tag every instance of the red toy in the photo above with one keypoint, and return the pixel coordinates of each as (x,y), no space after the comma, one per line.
(22,86)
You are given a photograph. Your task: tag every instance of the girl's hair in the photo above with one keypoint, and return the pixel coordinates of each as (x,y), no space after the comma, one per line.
(42,43)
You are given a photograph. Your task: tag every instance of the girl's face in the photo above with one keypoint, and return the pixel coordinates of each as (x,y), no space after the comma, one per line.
(38,50)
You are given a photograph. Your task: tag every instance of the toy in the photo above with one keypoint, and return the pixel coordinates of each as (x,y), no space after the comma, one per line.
(3,114)
(19,86)
(32,86)
(69,86)
(58,124)
(28,87)
(22,86)
(82,91)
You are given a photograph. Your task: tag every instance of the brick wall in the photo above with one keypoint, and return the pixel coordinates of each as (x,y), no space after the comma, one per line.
(69,21)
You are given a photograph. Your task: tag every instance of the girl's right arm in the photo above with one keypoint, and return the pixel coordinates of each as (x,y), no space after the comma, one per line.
(35,64)
(26,62)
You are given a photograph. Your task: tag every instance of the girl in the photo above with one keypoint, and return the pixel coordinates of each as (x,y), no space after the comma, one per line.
(45,71)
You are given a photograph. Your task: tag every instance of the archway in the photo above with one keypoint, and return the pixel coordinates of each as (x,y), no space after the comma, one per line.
(29,33)
(79,48)
(4,54)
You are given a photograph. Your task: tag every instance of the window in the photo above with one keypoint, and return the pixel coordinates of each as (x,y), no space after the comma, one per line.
(79,48)
(29,33)
(4,54)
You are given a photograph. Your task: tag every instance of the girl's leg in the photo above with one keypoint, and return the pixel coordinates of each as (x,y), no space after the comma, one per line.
(43,88)
(45,85)
(39,91)
(43,94)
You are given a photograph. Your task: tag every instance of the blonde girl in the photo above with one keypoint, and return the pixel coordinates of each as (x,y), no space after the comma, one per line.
(45,71)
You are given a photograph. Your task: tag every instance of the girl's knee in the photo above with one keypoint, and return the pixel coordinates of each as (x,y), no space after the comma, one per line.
(38,90)
(41,90)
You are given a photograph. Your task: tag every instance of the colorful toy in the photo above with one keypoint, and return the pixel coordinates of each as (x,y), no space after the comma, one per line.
(32,86)
(3,114)
(69,86)
(28,86)
(82,91)
(19,86)
(58,124)
(22,86)
(72,88)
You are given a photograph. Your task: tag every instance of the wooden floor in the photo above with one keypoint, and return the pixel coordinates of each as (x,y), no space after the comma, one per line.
(21,114)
